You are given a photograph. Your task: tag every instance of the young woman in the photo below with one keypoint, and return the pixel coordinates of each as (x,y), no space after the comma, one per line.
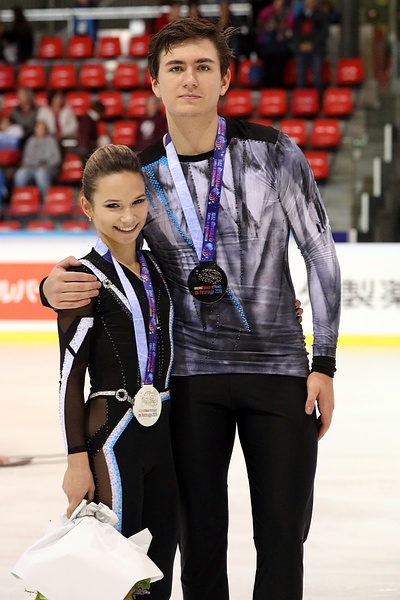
(118,441)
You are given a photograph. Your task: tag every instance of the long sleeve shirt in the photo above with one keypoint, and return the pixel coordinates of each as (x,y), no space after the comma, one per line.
(268,194)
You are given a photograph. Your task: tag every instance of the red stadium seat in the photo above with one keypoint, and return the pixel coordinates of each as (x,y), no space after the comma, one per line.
(50,47)
(62,77)
(92,76)
(113,103)
(79,46)
(139,46)
(304,103)
(238,103)
(9,101)
(337,102)
(59,202)
(289,73)
(325,133)
(9,226)
(7,78)
(71,169)
(265,122)
(24,202)
(136,106)
(9,157)
(75,226)
(32,76)
(349,71)
(124,132)
(272,103)
(108,47)
(318,161)
(102,128)
(249,73)
(295,129)
(39,226)
(79,101)
(326,74)
(41,98)
(146,81)
(126,76)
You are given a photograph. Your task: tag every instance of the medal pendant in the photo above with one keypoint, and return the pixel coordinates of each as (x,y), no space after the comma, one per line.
(147,406)
(207,282)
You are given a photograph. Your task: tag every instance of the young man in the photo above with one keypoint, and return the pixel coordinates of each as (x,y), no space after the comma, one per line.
(224,196)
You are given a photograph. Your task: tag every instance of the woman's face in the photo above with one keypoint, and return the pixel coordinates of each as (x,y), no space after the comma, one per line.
(57,102)
(118,208)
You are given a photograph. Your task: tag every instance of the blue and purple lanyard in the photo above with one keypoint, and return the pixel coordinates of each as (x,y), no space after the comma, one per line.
(146,347)
(204,242)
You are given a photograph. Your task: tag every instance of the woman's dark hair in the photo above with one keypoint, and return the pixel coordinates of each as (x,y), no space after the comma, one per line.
(53,93)
(107,160)
(187,29)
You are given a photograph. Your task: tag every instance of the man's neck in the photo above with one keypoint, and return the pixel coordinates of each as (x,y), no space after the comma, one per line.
(193,136)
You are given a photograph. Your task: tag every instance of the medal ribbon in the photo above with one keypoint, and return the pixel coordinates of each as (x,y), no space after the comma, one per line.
(146,348)
(204,243)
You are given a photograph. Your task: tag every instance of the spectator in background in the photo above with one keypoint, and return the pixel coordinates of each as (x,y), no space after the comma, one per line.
(25,113)
(59,118)
(194,10)
(242,42)
(11,136)
(88,133)
(11,133)
(17,40)
(173,13)
(41,158)
(331,13)
(310,33)
(3,42)
(274,33)
(297,7)
(84,25)
(152,126)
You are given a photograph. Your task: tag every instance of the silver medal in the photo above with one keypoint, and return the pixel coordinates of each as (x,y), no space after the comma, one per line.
(147,406)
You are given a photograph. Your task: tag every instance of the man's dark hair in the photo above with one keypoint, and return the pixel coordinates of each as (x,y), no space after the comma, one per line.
(187,29)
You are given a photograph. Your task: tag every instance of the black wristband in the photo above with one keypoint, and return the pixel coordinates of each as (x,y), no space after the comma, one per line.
(324,364)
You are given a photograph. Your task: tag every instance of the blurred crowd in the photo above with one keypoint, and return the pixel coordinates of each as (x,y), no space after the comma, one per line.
(279,30)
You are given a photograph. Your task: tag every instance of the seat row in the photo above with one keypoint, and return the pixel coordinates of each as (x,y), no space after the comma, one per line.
(347,71)
(117,105)
(243,103)
(59,203)
(82,46)
(133,73)
(45,225)
(68,76)
(336,102)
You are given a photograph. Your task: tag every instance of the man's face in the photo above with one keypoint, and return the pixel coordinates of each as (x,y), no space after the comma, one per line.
(189,79)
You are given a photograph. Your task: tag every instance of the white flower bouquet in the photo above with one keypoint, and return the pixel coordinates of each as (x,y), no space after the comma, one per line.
(86,557)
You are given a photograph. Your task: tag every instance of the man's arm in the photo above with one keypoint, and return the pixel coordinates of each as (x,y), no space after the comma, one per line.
(69,289)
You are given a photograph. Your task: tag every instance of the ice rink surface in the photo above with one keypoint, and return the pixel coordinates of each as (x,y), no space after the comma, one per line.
(353,551)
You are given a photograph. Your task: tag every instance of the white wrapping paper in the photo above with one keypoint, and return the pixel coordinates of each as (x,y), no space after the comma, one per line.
(86,557)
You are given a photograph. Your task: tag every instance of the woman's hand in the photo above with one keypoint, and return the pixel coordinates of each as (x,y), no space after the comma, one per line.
(78,481)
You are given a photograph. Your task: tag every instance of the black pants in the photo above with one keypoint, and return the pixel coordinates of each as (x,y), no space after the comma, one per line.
(279,443)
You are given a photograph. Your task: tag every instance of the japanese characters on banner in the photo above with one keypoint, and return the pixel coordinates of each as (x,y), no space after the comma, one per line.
(370,276)
(370,283)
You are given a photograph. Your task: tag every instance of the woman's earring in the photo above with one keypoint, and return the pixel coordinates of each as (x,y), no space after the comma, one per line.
(90,219)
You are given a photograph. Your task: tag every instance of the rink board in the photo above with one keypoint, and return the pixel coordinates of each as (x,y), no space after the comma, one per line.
(370,288)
